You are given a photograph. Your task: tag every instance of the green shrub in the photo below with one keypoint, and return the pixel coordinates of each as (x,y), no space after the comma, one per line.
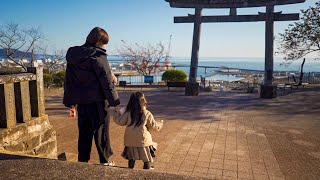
(47,79)
(174,75)
(61,75)
(59,78)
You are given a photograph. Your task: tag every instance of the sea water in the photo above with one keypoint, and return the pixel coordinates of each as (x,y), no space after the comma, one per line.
(311,65)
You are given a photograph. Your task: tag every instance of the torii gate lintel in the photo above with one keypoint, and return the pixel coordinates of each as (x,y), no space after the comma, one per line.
(261,16)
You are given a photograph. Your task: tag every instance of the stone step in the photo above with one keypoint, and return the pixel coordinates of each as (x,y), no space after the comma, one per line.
(23,167)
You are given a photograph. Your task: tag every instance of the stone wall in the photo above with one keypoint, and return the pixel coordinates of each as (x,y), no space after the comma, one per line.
(35,138)
(24,126)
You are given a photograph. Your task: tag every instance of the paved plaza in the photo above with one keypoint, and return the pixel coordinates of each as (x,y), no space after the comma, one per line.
(229,135)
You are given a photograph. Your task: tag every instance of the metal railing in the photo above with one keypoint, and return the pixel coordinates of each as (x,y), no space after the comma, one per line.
(139,80)
(295,79)
(157,79)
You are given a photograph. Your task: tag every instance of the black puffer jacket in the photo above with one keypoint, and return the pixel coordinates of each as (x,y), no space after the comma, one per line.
(88,77)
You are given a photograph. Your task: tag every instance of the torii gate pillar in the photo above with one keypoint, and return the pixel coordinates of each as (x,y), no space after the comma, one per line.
(192,87)
(268,90)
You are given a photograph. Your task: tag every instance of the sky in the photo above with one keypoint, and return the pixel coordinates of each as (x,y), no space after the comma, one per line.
(66,23)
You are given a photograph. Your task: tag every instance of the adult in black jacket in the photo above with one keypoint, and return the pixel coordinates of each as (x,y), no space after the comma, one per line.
(89,85)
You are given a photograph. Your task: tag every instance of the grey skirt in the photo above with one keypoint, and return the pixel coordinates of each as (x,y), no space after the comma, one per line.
(145,154)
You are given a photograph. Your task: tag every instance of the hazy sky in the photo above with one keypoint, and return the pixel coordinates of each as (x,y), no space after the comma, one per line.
(66,23)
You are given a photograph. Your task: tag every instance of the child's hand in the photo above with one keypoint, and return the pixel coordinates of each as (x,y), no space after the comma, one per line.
(161,121)
(122,110)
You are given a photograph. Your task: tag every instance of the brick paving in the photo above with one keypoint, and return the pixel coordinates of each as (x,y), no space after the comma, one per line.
(227,135)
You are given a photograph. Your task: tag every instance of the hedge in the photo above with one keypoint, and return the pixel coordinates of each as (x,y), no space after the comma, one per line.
(174,75)
(56,79)
(47,79)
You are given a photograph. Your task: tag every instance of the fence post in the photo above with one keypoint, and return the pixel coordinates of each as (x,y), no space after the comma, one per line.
(36,92)
(25,98)
(7,106)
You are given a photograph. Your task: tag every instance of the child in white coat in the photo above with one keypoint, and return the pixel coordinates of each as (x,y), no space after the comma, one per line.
(137,138)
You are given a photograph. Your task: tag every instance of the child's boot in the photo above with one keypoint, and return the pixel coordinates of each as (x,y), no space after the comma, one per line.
(131,163)
(146,165)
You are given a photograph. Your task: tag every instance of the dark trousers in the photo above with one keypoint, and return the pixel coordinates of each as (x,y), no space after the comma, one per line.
(93,121)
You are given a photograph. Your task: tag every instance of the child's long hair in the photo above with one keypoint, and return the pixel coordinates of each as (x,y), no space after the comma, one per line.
(135,107)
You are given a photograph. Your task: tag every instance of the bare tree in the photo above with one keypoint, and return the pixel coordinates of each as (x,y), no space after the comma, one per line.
(13,40)
(51,62)
(58,57)
(145,58)
(303,37)
(43,52)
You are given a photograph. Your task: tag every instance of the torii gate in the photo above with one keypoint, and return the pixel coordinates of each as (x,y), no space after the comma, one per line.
(268,90)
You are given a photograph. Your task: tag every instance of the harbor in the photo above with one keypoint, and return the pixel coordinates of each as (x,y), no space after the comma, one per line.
(220,70)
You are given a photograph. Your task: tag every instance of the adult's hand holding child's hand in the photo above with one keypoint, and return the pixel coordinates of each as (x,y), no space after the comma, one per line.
(117,109)
(122,110)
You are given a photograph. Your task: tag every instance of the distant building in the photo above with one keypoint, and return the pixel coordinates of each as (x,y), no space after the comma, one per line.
(8,63)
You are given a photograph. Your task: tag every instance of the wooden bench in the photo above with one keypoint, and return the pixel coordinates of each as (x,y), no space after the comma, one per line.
(176,84)
(123,84)
(302,84)
(285,86)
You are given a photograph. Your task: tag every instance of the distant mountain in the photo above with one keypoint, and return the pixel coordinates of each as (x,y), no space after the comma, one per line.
(2,54)
(18,53)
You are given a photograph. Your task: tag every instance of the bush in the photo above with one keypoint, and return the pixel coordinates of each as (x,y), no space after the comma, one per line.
(61,75)
(47,79)
(174,75)
(59,78)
